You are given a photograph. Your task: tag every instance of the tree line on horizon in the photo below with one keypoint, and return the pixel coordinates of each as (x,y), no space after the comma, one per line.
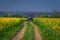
(55,14)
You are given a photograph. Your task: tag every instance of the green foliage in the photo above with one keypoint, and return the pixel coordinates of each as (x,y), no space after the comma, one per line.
(44,15)
(18,15)
(10,31)
(46,31)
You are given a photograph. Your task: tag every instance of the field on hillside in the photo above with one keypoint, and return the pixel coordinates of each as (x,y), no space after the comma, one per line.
(49,28)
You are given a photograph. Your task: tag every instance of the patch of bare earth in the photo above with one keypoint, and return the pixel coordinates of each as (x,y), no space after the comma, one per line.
(20,35)
(36,32)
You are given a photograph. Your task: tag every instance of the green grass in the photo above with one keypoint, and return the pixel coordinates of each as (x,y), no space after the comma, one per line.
(29,33)
(10,30)
(46,32)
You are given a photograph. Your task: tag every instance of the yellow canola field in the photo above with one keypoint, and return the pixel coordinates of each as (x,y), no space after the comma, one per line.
(54,23)
(9,21)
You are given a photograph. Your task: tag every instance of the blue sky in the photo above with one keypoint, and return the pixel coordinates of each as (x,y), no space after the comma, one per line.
(30,5)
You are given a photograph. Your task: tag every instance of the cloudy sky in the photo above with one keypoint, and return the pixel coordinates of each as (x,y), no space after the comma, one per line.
(29,5)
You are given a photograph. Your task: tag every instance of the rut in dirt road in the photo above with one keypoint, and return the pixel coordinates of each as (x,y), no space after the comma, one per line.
(20,35)
(36,32)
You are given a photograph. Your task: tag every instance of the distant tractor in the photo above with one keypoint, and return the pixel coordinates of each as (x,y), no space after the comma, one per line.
(30,17)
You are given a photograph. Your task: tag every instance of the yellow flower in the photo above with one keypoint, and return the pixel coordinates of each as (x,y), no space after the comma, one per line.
(55,27)
(1,27)
(8,21)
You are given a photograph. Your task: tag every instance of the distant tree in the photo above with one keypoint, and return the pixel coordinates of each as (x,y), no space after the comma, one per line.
(7,15)
(18,15)
(55,14)
(44,15)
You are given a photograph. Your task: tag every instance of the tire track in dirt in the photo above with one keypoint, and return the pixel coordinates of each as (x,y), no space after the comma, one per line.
(36,32)
(20,35)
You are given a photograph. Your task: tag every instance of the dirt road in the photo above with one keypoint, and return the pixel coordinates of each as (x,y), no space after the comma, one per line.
(36,32)
(21,33)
